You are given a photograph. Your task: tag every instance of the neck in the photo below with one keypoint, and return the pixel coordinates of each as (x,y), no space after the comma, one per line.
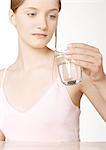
(30,58)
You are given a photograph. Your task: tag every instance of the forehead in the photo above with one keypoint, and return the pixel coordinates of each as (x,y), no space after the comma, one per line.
(44,4)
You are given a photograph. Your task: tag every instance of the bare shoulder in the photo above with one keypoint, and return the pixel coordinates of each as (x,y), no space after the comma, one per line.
(10,68)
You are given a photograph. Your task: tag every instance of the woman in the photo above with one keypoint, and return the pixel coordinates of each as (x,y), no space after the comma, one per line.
(33,105)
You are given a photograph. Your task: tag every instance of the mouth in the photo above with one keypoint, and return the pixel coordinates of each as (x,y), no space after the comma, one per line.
(39,35)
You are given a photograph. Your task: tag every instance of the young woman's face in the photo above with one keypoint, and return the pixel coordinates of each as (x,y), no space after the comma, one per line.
(36,21)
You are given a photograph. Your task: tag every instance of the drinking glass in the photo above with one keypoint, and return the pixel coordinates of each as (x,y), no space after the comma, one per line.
(69,72)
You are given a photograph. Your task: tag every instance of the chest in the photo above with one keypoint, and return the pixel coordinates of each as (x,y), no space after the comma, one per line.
(22,92)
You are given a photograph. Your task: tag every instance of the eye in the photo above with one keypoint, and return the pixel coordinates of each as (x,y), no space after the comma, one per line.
(32,14)
(52,16)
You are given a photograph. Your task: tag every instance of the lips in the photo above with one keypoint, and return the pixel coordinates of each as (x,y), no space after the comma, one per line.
(39,35)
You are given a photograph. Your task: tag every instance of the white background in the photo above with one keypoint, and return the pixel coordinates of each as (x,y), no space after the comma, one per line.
(79,21)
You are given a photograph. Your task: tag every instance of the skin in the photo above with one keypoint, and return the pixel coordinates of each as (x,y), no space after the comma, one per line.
(35,61)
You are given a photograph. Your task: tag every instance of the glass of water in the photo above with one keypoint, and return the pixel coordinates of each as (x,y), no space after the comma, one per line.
(69,72)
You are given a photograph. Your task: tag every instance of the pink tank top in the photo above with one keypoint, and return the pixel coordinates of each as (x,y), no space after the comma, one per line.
(53,119)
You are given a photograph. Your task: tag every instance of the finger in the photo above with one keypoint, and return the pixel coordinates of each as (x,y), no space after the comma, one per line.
(94,68)
(83,45)
(86,65)
(83,51)
(85,58)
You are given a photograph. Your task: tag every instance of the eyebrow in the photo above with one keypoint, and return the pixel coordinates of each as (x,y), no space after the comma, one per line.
(49,10)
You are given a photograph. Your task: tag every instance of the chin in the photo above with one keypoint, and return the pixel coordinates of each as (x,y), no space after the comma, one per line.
(37,46)
(37,43)
(41,44)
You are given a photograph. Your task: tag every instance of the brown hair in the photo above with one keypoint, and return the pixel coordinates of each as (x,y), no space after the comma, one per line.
(16,3)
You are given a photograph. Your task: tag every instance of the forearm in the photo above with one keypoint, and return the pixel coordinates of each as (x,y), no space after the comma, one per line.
(96,96)
(101,86)
(98,102)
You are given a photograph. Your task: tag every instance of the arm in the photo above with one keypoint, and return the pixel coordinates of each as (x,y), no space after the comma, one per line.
(101,86)
(96,96)
(2,137)
(93,84)
(100,94)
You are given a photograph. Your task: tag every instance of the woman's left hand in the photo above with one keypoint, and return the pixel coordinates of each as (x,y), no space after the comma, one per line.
(89,58)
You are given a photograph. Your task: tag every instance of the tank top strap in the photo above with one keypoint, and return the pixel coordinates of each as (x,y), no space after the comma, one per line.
(3,77)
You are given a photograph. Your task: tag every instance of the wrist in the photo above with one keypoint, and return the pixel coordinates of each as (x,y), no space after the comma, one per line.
(101,80)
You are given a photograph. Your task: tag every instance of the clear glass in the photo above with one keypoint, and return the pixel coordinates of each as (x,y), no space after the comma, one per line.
(69,72)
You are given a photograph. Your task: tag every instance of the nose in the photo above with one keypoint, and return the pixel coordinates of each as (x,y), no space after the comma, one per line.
(42,23)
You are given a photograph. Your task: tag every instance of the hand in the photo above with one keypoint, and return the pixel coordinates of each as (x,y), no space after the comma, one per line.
(89,58)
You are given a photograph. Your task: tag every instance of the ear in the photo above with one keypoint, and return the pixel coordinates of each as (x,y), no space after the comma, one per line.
(12,17)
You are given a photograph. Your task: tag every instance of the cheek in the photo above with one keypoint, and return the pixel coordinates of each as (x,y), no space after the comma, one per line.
(52,27)
(21,24)
(23,28)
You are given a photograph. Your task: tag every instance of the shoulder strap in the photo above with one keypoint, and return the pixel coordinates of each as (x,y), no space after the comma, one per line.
(3,77)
